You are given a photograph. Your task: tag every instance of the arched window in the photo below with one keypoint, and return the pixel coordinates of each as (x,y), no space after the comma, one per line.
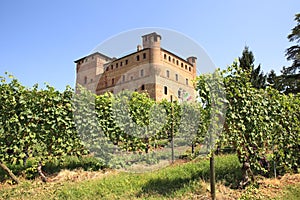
(112,81)
(165,90)
(168,74)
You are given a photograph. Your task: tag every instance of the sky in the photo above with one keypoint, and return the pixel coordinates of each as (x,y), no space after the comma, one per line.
(40,40)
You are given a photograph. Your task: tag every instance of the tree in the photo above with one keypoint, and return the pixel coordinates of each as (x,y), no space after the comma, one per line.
(275,81)
(257,78)
(291,75)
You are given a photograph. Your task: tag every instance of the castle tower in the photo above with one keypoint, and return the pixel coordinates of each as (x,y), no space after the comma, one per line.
(193,60)
(89,68)
(151,40)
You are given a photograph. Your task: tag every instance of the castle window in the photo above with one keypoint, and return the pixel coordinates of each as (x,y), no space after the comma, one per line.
(137,57)
(112,81)
(123,78)
(131,78)
(185,66)
(85,80)
(165,90)
(126,62)
(107,68)
(182,65)
(189,68)
(187,81)
(117,65)
(176,77)
(121,63)
(179,93)
(144,55)
(142,73)
(168,74)
(143,87)
(177,62)
(170,58)
(111,67)
(165,56)
(92,57)
(173,60)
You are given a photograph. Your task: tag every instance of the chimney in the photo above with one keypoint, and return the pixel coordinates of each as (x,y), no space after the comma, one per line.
(139,47)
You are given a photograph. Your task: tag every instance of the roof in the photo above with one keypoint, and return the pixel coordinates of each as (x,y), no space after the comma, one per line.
(96,53)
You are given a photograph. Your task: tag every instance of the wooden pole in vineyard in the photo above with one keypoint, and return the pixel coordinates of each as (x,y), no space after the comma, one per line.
(172,130)
(212,177)
(9,172)
(212,169)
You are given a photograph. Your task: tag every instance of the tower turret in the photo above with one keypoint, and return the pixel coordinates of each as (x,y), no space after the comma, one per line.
(151,40)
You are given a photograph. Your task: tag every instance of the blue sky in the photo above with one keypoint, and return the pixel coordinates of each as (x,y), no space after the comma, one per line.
(39,40)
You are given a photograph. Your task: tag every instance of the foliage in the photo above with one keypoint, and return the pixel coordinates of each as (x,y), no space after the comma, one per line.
(289,79)
(258,123)
(36,123)
(246,62)
(53,166)
(247,120)
(293,52)
(48,124)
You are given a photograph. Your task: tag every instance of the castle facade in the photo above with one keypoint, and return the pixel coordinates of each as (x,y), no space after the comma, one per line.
(151,69)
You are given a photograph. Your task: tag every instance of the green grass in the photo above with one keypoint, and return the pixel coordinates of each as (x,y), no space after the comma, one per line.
(291,192)
(179,181)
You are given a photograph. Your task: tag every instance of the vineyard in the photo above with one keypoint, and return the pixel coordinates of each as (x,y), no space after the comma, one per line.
(261,126)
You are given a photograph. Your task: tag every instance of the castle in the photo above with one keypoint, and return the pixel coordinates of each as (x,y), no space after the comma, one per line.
(151,69)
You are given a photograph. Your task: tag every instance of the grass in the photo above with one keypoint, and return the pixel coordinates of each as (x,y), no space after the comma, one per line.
(177,181)
(292,192)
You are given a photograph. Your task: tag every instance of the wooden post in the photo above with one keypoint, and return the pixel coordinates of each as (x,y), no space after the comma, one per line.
(212,177)
(9,172)
(212,168)
(172,130)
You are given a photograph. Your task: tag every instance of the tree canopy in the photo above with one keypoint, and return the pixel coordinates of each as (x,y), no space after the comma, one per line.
(246,63)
